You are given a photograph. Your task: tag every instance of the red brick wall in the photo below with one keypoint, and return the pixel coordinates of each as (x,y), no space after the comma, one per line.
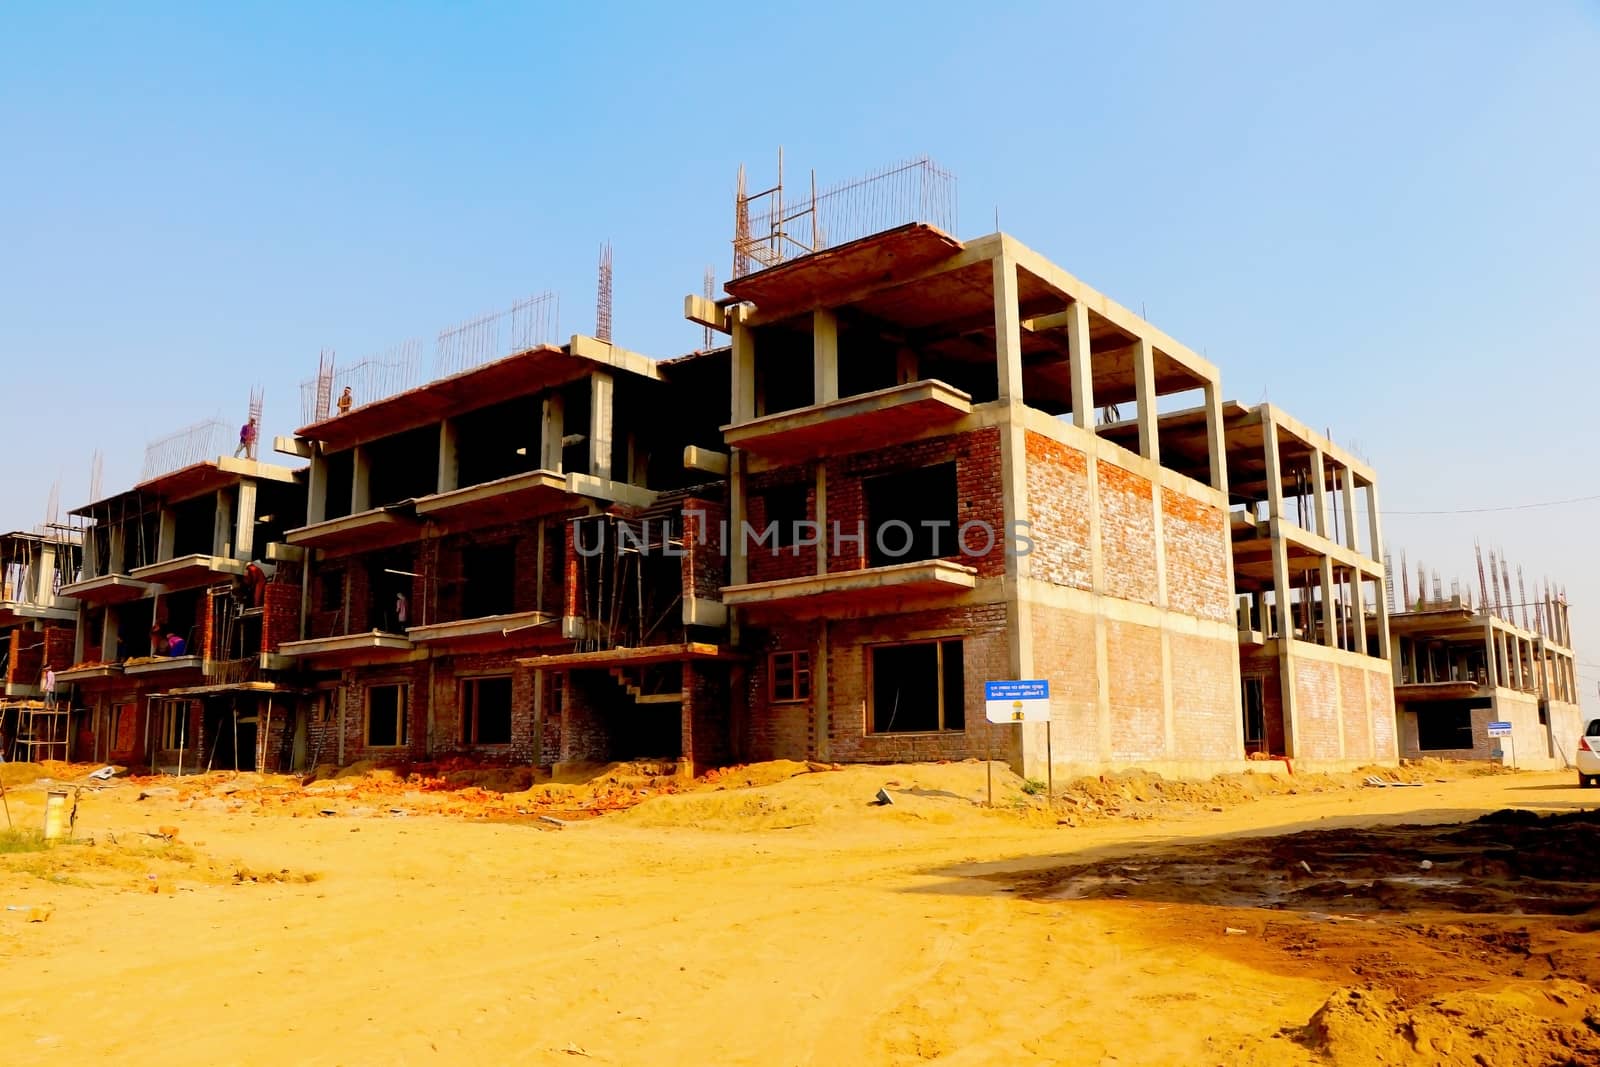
(1353,712)
(1204,698)
(280,621)
(979,496)
(707,722)
(1063,653)
(705,564)
(354,685)
(1127,534)
(1196,541)
(778,731)
(986,655)
(585,726)
(1059,512)
(769,564)
(1138,723)
(1265,666)
(448,673)
(1316,698)
(1380,695)
(58,646)
(27,657)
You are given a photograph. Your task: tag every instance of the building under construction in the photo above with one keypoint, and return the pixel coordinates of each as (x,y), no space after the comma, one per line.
(1461,664)
(904,464)
(37,628)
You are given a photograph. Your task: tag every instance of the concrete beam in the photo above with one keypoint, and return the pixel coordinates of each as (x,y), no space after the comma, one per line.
(703,311)
(696,458)
(291,446)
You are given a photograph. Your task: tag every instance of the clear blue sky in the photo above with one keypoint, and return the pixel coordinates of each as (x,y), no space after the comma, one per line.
(1381,216)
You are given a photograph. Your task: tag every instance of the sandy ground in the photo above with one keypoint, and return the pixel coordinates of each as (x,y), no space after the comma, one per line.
(780,918)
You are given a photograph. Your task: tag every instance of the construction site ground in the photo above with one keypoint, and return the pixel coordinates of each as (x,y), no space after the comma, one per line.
(775,914)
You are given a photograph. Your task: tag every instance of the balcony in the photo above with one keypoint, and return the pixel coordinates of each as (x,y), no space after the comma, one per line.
(109,589)
(517,496)
(374,528)
(188,572)
(159,665)
(491,632)
(56,609)
(88,672)
(877,588)
(372,646)
(851,424)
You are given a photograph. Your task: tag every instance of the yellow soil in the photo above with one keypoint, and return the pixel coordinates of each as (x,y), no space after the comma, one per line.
(788,921)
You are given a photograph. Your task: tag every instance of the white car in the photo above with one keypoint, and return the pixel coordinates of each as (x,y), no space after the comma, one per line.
(1589,755)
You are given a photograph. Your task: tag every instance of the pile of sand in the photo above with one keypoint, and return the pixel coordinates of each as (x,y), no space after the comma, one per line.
(1556,1022)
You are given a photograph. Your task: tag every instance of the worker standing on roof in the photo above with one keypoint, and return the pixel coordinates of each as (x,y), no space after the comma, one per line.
(247,440)
(345,401)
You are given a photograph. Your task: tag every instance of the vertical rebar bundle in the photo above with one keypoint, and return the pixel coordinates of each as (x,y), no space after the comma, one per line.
(525,324)
(918,190)
(602,303)
(190,445)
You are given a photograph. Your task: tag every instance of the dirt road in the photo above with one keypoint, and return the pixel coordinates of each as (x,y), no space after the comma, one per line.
(789,924)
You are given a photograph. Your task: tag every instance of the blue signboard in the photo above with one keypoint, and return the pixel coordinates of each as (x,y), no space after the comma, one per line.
(1026,701)
(1035,690)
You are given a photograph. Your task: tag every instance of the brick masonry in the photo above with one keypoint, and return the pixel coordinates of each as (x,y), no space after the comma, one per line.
(1205,720)
(1316,696)
(1059,513)
(1127,534)
(1196,546)
(1133,684)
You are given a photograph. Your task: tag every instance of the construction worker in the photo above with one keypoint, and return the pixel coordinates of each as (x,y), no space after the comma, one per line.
(247,440)
(256,577)
(345,401)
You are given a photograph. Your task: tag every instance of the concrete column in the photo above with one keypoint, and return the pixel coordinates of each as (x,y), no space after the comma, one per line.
(1216,445)
(244,538)
(117,554)
(824,356)
(819,690)
(1280,580)
(1319,493)
(1007,329)
(360,481)
(1080,366)
(738,561)
(1330,621)
(317,486)
(1358,614)
(1144,384)
(1375,546)
(1350,539)
(166,535)
(108,635)
(552,426)
(449,476)
(825,537)
(743,365)
(40,584)
(1515,644)
(906,370)
(601,393)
